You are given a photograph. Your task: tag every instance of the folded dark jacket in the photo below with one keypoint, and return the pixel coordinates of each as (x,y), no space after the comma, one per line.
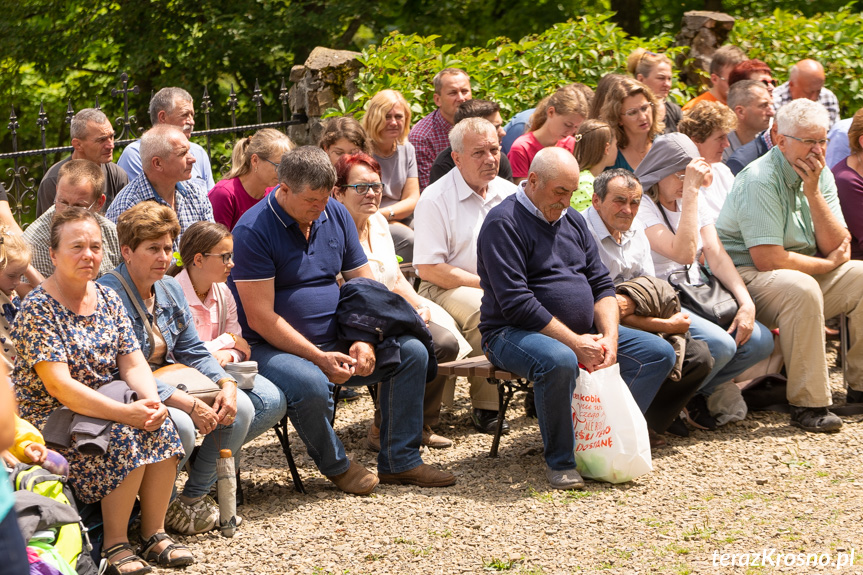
(654,297)
(369,312)
(89,435)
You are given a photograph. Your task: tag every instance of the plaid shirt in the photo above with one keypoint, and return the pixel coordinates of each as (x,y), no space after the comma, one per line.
(38,235)
(430,137)
(190,202)
(782,95)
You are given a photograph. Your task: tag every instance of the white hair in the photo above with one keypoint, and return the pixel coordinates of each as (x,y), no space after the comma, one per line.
(474,126)
(801,114)
(156,143)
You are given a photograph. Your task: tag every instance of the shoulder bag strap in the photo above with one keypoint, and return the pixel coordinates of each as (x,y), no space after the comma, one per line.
(133,295)
(223,308)
(673,231)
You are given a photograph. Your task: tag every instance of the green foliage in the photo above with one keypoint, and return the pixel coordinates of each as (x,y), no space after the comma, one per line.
(515,74)
(835,39)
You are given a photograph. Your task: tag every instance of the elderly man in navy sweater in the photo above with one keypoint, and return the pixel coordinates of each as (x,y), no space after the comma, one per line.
(548,304)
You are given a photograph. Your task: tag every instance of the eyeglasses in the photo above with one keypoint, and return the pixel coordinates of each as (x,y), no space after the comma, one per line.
(770,82)
(64,205)
(680,176)
(227,257)
(640,110)
(272,162)
(362,189)
(809,142)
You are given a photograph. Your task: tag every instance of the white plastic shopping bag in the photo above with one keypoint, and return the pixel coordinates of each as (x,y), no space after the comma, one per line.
(611,441)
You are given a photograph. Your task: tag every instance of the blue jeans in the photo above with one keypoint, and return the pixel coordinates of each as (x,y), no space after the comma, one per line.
(729,361)
(310,405)
(645,361)
(257,410)
(12,547)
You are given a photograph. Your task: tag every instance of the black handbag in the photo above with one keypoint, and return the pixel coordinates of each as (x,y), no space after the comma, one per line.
(710,300)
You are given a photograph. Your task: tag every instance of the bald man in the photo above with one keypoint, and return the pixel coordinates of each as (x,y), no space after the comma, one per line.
(806,80)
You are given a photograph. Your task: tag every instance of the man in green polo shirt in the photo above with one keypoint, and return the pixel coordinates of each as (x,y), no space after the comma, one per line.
(783,228)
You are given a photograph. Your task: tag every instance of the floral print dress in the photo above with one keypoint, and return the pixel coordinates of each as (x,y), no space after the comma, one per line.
(45,330)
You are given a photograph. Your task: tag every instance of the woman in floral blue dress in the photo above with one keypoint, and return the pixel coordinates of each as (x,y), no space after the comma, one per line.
(73,337)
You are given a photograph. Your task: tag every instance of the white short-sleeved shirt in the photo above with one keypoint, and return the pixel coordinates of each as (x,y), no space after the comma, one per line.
(448,217)
(712,197)
(626,260)
(649,216)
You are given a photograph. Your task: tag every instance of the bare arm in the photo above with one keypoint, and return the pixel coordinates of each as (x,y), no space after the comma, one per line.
(364,271)
(145,414)
(770,257)
(829,232)
(258,298)
(405,207)
(447,276)
(137,374)
(606,320)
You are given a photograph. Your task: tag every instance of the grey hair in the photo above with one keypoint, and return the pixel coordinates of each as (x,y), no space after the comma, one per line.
(600,184)
(801,114)
(156,143)
(470,125)
(547,162)
(163,101)
(743,93)
(78,127)
(307,168)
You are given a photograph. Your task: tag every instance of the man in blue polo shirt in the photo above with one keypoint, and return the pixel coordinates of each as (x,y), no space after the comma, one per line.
(548,305)
(288,250)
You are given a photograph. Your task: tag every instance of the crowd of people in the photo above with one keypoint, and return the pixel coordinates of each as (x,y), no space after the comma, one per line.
(525,242)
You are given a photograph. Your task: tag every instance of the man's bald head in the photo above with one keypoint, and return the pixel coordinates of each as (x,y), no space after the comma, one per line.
(805,80)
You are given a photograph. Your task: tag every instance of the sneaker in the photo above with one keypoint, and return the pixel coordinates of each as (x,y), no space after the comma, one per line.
(564,478)
(815,419)
(199,516)
(348,394)
(699,415)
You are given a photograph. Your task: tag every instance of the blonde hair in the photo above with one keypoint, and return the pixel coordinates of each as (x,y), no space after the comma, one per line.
(264,144)
(376,116)
(13,249)
(612,109)
(566,100)
(705,118)
(590,142)
(643,61)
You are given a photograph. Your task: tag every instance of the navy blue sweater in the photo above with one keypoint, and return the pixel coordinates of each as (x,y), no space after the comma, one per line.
(531,270)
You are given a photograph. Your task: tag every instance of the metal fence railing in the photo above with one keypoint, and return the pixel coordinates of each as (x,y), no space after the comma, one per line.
(20,167)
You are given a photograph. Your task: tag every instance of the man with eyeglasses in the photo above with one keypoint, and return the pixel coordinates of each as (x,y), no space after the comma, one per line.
(806,80)
(92,139)
(80,184)
(783,228)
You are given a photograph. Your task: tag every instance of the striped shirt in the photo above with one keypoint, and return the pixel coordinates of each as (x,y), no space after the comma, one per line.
(782,95)
(430,137)
(766,206)
(190,202)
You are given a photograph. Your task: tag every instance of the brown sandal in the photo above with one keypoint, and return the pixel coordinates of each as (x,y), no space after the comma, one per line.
(114,566)
(163,558)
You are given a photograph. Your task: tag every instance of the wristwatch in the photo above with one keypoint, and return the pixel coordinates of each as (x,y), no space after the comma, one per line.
(392,214)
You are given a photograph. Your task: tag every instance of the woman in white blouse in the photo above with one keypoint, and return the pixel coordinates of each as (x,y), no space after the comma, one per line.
(359,188)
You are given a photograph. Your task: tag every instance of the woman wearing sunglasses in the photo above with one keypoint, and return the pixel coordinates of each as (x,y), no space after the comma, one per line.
(359,189)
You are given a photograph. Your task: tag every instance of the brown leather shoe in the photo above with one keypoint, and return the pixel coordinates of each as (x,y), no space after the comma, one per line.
(373,438)
(423,476)
(357,480)
(432,439)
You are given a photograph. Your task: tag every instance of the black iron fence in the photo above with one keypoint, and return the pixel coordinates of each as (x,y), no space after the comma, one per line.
(20,169)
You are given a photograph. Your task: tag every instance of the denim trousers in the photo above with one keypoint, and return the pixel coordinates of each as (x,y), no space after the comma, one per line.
(729,360)
(13,550)
(310,405)
(645,361)
(258,410)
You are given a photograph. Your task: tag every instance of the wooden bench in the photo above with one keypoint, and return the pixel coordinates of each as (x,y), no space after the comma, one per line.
(506,382)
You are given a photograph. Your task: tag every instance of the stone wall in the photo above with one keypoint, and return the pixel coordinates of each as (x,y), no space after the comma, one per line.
(317,85)
(704,32)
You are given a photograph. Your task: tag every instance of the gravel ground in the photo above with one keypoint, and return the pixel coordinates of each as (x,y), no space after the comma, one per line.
(750,486)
